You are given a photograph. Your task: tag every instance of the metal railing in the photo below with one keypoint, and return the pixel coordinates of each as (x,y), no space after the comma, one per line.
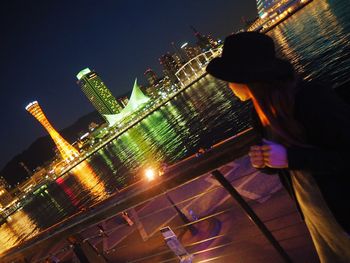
(176,176)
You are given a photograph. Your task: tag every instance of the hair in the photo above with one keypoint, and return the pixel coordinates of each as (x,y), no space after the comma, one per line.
(274,102)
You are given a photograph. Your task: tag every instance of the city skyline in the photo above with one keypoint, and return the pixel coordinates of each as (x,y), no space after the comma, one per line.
(55,86)
(166,172)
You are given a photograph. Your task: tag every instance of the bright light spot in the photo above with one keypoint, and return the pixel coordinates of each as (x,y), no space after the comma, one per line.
(264,15)
(150,174)
(84,136)
(31,104)
(83,72)
(184,45)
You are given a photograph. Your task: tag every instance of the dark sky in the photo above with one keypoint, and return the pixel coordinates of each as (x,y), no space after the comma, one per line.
(44,44)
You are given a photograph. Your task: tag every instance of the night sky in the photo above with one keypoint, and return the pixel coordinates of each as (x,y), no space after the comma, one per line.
(44,44)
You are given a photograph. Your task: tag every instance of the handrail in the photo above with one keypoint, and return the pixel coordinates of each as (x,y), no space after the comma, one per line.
(176,175)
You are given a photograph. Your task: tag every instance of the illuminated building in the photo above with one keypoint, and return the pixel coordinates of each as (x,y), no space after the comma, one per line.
(92,126)
(151,76)
(170,63)
(97,93)
(136,102)
(153,80)
(67,151)
(268,7)
(263,6)
(4,183)
(190,51)
(177,55)
(204,42)
(39,175)
(163,86)
(137,99)
(177,58)
(123,101)
(5,196)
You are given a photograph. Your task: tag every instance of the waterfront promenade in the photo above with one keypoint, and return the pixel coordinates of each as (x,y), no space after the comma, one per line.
(225,232)
(297,38)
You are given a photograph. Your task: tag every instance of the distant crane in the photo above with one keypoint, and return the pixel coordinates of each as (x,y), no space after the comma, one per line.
(29,172)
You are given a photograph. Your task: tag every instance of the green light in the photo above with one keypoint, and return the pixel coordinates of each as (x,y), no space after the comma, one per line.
(83,72)
(137,99)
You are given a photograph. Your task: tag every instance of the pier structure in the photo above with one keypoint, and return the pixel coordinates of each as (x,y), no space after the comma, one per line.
(194,69)
(240,213)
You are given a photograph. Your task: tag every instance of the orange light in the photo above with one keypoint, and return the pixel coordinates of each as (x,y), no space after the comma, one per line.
(67,151)
(88,178)
(262,116)
(150,174)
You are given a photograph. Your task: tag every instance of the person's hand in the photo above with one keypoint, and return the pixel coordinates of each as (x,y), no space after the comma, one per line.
(274,154)
(256,156)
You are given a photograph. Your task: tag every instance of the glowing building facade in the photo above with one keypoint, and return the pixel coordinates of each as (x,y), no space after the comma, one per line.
(170,63)
(263,7)
(97,93)
(151,76)
(190,51)
(267,7)
(67,151)
(5,196)
(136,102)
(204,42)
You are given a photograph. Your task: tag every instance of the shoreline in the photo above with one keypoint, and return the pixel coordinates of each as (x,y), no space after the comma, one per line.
(48,231)
(289,14)
(139,192)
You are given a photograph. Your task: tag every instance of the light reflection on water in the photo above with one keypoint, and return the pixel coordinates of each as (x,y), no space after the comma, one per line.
(89,180)
(18,228)
(316,40)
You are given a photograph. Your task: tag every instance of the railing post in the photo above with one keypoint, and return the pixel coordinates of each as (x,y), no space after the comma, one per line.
(193,229)
(251,214)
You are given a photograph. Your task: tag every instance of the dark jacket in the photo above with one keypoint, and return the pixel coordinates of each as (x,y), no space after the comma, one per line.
(326,122)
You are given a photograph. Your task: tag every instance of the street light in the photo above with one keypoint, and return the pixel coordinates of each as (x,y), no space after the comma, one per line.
(150,174)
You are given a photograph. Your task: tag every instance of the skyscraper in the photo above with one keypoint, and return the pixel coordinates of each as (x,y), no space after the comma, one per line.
(170,63)
(151,77)
(67,151)
(204,42)
(190,51)
(97,93)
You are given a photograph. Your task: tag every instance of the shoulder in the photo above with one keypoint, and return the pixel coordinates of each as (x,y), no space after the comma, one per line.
(313,93)
(311,90)
(324,117)
(316,103)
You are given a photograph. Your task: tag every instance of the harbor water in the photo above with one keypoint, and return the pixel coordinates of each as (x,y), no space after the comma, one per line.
(316,40)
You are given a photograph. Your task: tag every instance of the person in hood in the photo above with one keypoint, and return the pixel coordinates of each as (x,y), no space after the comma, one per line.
(305,136)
